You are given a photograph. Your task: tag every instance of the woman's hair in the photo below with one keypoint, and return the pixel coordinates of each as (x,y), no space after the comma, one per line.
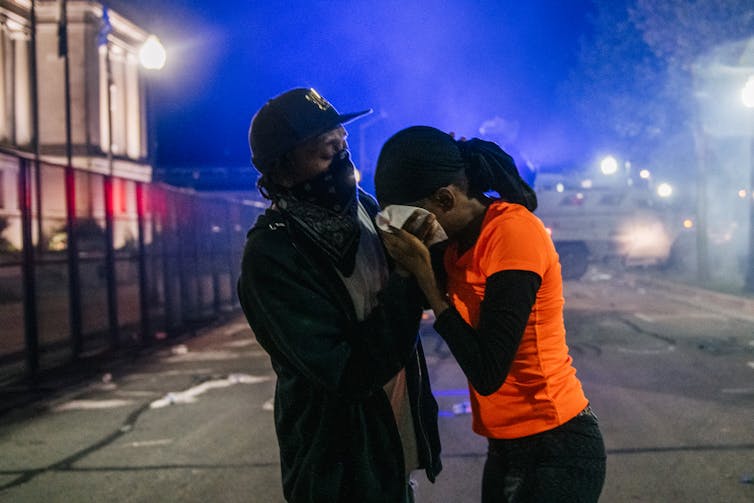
(418,160)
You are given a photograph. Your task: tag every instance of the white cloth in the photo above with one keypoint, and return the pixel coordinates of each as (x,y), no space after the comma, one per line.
(370,275)
(396,215)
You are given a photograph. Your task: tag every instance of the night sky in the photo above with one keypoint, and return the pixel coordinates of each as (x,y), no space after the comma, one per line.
(459,66)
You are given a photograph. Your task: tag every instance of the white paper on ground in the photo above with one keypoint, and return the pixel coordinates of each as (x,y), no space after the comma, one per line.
(396,215)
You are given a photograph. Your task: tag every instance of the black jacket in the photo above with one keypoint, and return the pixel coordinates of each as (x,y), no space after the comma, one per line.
(336,431)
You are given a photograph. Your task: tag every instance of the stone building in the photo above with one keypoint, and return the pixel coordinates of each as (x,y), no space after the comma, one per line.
(94,37)
(108,131)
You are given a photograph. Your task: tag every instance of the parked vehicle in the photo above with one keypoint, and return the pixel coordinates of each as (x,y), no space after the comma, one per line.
(617,222)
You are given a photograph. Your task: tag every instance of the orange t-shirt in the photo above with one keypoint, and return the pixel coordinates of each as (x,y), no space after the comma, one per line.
(541,390)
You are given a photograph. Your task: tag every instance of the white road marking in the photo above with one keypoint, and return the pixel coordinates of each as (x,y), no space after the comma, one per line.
(189,395)
(738,391)
(91,404)
(750,365)
(241,344)
(211,356)
(150,443)
(675,316)
(235,328)
(648,351)
(269,404)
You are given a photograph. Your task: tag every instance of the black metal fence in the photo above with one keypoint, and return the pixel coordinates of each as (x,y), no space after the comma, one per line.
(91,262)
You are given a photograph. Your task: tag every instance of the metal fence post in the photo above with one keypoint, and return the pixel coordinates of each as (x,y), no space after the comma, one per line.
(31,330)
(143,282)
(74,280)
(110,277)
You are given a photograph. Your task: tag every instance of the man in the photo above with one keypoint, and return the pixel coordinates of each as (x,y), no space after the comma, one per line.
(354,413)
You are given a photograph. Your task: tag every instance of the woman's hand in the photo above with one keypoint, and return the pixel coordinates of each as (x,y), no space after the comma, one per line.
(413,256)
(408,244)
(408,251)
(420,224)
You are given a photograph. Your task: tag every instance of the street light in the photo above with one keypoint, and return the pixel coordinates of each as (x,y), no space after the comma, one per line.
(152,57)
(664,190)
(152,54)
(609,165)
(747,97)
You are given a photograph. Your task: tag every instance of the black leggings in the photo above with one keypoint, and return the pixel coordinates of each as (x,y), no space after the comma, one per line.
(563,465)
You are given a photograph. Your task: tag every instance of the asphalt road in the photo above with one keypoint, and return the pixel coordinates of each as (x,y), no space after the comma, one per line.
(668,369)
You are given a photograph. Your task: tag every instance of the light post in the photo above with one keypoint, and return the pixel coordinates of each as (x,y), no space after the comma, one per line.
(107,185)
(747,97)
(152,56)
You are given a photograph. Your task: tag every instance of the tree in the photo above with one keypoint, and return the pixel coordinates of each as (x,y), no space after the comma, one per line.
(680,31)
(634,85)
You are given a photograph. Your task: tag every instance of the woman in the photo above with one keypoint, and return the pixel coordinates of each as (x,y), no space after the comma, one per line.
(500,310)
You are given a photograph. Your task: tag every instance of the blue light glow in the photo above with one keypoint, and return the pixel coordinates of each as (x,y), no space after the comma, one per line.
(453,66)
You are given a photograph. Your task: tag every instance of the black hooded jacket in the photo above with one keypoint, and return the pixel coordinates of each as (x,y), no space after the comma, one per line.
(336,430)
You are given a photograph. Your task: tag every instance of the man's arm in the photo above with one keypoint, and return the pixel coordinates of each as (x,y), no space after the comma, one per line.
(309,329)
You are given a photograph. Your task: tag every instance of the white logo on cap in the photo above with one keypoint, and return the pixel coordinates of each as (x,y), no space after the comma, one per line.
(318,100)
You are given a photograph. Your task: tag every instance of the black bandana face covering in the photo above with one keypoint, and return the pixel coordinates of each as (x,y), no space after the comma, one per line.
(325,210)
(334,189)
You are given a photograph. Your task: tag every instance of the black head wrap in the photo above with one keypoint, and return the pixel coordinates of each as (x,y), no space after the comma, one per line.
(414,163)
(418,160)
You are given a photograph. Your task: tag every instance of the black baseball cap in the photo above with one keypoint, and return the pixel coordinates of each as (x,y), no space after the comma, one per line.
(289,119)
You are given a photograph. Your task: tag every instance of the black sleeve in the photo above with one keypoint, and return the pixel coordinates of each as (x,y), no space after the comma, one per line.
(485,354)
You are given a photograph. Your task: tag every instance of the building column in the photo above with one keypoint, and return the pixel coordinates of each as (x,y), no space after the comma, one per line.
(22,88)
(4,39)
(133,109)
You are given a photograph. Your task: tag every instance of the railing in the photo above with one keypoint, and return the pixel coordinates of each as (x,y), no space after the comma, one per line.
(91,262)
